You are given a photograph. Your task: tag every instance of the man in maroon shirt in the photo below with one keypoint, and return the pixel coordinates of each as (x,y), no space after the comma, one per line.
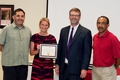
(106,52)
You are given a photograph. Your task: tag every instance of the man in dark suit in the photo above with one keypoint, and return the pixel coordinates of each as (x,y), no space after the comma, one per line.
(73,55)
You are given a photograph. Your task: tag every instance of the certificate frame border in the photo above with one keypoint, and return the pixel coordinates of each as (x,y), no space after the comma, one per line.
(42,56)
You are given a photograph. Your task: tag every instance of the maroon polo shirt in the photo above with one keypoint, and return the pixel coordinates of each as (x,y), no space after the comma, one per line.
(105,49)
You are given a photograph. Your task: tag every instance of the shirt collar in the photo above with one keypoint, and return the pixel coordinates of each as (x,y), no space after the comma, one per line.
(75,27)
(15,26)
(104,35)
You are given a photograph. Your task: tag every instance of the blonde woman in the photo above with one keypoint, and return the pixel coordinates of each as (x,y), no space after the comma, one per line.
(42,69)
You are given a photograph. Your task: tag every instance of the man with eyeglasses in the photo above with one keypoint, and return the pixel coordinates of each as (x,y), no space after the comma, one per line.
(106,52)
(74,49)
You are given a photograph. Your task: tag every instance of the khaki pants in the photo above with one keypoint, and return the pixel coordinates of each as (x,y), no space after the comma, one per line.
(104,73)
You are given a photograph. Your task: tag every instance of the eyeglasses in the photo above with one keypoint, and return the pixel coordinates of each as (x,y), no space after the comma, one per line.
(74,15)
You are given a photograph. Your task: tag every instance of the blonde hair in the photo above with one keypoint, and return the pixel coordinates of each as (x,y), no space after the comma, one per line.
(76,10)
(45,19)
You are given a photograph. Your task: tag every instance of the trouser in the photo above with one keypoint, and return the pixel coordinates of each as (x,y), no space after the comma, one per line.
(65,75)
(104,73)
(15,72)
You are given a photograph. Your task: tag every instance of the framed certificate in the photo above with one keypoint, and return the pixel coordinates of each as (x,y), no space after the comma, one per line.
(48,51)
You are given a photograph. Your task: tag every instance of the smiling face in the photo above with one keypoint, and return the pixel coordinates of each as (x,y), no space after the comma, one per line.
(74,18)
(44,26)
(102,25)
(19,18)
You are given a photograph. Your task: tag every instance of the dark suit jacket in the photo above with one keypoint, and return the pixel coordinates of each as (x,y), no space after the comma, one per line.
(79,50)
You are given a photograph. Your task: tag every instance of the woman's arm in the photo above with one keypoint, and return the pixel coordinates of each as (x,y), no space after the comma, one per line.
(32,50)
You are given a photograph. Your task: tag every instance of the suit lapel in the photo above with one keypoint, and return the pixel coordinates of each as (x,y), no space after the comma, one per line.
(67,34)
(78,31)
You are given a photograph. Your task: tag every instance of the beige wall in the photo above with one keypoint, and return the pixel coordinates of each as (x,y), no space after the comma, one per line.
(34,9)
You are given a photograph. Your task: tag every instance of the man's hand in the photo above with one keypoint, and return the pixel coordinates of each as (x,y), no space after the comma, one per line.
(117,63)
(57,69)
(0,47)
(83,73)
